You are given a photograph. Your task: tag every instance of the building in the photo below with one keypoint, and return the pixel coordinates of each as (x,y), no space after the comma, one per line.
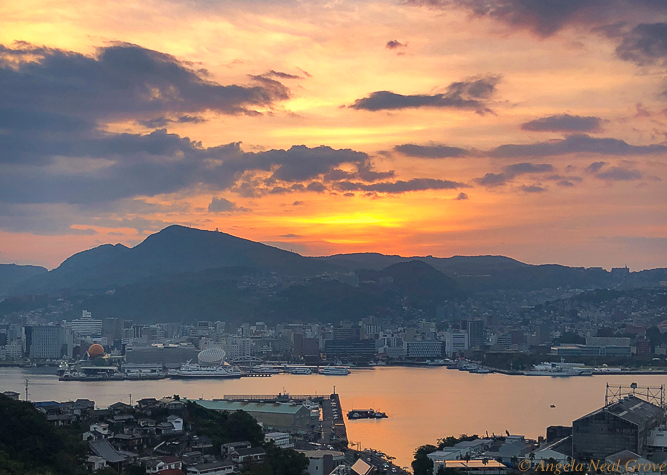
(423,349)
(476,333)
(323,462)
(45,342)
(281,439)
(455,341)
(349,348)
(211,468)
(86,325)
(281,417)
(623,425)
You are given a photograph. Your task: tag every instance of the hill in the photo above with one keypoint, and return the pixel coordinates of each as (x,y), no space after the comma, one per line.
(12,275)
(173,250)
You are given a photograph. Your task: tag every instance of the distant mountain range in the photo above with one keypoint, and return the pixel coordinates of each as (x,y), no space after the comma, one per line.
(198,257)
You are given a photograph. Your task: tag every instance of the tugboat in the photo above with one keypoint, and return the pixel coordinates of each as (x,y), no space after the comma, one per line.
(365,414)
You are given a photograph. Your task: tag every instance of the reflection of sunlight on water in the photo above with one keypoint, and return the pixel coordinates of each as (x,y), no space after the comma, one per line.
(423,404)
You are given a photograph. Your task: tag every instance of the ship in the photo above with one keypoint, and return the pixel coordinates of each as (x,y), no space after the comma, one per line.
(190,370)
(299,370)
(365,414)
(264,369)
(335,371)
(561,369)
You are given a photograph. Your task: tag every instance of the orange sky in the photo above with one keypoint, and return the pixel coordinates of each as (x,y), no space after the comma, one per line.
(539,200)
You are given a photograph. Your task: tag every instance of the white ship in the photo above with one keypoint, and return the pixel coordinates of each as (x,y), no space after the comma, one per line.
(189,370)
(299,370)
(264,369)
(335,371)
(559,370)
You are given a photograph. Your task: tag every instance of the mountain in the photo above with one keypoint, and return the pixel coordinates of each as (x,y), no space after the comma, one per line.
(173,250)
(456,265)
(12,274)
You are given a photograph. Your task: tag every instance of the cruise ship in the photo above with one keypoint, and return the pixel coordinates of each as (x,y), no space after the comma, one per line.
(335,371)
(190,370)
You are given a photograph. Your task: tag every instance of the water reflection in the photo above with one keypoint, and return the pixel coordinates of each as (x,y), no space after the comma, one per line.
(423,404)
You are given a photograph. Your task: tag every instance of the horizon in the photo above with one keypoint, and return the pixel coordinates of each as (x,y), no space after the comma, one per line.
(411,256)
(526,129)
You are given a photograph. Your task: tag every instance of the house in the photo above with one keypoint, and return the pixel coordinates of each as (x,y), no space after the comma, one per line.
(177,422)
(281,439)
(481,466)
(211,468)
(625,462)
(163,465)
(323,462)
(245,456)
(94,462)
(120,408)
(226,449)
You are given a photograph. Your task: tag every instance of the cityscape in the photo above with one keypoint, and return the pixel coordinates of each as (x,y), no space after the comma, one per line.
(333,237)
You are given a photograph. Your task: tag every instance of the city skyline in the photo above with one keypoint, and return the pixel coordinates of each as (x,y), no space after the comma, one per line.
(534,130)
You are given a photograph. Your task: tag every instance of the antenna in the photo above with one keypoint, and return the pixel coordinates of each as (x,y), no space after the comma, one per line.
(26,389)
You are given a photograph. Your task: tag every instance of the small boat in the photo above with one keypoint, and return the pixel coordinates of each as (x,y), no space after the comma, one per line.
(365,414)
(553,405)
(299,370)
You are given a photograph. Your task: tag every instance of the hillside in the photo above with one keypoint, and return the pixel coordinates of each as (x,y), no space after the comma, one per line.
(173,250)
(12,275)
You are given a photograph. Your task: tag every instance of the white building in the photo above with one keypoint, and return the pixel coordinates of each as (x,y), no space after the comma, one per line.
(86,325)
(281,439)
(455,341)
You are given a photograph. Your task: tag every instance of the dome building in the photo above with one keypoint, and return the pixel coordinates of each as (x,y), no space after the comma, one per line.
(211,357)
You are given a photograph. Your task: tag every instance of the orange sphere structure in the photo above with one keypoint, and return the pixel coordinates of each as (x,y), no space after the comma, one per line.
(95,350)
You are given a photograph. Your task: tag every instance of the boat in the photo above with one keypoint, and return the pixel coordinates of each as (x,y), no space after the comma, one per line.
(552,406)
(264,369)
(63,368)
(559,370)
(335,371)
(365,414)
(299,370)
(190,370)
(480,370)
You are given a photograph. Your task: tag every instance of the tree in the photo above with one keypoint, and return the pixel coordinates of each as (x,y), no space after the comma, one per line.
(422,465)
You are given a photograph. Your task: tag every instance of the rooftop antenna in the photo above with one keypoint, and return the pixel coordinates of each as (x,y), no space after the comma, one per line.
(26,389)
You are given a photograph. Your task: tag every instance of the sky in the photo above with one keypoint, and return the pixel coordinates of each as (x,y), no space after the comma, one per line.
(535,129)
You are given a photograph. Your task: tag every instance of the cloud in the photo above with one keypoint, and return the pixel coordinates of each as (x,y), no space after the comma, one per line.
(461,196)
(595,167)
(512,171)
(394,44)
(564,123)
(532,189)
(222,205)
(400,186)
(576,144)
(472,93)
(431,151)
(121,80)
(162,121)
(645,44)
(620,174)
(546,17)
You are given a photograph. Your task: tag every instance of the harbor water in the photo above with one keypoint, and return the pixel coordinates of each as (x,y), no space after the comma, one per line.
(422,403)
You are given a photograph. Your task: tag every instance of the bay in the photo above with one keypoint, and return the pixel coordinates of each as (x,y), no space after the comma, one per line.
(423,404)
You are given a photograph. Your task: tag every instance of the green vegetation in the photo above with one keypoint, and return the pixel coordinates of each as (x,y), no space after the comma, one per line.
(30,445)
(224,427)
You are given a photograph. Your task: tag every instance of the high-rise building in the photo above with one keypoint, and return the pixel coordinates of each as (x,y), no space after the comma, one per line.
(456,341)
(476,333)
(45,341)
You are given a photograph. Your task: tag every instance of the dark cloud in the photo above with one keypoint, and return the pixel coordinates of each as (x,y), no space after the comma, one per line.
(646,43)
(595,167)
(472,93)
(431,151)
(512,171)
(162,121)
(394,44)
(281,75)
(461,196)
(122,80)
(400,186)
(532,189)
(222,205)
(576,144)
(564,123)
(620,174)
(546,17)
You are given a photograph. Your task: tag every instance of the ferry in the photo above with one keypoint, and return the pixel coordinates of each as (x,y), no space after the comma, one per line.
(299,370)
(335,371)
(190,370)
(264,369)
